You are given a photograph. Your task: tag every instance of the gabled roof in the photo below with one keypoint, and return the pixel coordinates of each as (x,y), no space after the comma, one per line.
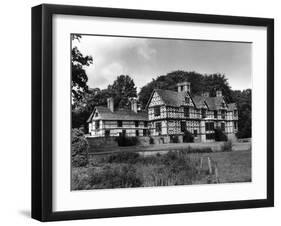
(214,103)
(199,101)
(119,114)
(177,99)
(172,98)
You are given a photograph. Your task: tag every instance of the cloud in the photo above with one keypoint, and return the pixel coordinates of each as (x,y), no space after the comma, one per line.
(146,51)
(144,59)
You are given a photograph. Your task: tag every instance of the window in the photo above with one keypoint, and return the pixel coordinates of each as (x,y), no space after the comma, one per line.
(145,132)
(209,136)
(97,124)
(158,126)
(183,126)
(137,133)
(235,125)
(107,133)
(223,114)
(124,132)
(157,111)
(215,114)
(223,127)
(145,123)
(186,112)
(209,126)
(136,124)
(223,104)
(235,113)
(195,133)
(203,112)
(119,123)
(96,114)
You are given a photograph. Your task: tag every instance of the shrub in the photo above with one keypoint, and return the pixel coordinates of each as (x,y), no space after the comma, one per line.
(174,139)
(219,135)
(227,146)
(118,176)
(80,179)
(188,137)
(79,148)
(126,141)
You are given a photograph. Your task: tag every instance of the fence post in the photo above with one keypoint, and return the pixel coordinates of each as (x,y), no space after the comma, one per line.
(209,165)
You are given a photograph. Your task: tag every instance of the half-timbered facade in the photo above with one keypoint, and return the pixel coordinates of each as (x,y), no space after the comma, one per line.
(107,121)
(168,113)
(172,113)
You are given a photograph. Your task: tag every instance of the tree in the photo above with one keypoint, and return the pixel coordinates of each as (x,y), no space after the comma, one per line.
(79,148)
(244,105)
(122,89)
(199,83)
(79,77)
(214,82)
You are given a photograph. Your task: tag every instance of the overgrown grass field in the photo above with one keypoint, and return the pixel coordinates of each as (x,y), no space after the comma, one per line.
(127,169)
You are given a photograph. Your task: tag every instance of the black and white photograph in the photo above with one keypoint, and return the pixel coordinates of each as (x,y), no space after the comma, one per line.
(159,112)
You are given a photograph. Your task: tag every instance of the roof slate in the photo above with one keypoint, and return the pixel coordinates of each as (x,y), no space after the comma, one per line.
(119,114)
(177,99)
(172,98)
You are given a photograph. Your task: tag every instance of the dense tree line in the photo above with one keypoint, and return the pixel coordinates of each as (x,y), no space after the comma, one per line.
(199,83)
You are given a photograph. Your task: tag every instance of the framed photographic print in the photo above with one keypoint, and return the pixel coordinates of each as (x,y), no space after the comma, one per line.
(146,112)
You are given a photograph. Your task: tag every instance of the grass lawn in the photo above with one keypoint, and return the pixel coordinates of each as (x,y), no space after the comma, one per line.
(128,169)
(232,166)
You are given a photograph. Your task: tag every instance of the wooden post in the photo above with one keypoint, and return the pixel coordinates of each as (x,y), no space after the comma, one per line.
(209,165)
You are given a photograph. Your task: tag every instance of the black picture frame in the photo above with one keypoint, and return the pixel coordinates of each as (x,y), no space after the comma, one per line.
(42,111)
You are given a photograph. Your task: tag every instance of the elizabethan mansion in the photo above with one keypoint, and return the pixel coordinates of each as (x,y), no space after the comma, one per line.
(168,113)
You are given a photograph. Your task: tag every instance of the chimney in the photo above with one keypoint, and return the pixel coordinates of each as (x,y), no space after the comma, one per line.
(183,87)
(110,104)
(205,94)
(134,106)
(218,93)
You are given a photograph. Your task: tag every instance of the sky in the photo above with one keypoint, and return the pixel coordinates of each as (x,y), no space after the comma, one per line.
(146,58)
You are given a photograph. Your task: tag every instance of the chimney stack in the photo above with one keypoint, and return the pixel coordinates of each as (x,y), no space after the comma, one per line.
(205,94)
(218,93)
(183,87)
(110,104)
(134,106)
